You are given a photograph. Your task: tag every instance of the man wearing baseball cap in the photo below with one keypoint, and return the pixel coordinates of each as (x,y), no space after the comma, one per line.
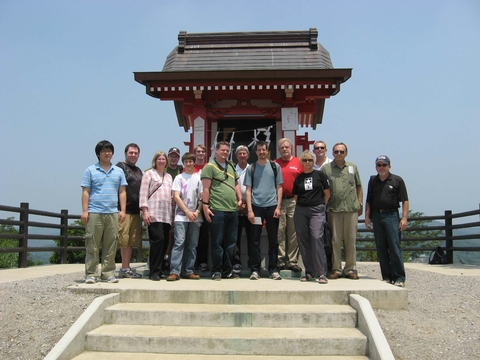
(173,157)
(385,192)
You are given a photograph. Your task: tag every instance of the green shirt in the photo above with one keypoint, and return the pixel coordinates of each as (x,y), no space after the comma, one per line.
(343,186)
(222,189)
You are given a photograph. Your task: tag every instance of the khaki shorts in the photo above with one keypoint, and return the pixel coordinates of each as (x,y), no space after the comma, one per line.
(130,232)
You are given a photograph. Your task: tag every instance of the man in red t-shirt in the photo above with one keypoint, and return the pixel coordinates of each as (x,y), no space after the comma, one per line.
(287,239)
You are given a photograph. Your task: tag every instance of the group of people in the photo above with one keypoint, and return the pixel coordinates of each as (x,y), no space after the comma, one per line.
(184,206)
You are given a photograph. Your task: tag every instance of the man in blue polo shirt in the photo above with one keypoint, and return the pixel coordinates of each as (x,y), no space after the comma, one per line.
(103,187)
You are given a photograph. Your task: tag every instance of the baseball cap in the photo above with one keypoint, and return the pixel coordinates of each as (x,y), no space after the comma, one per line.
(174,150)
(384,159)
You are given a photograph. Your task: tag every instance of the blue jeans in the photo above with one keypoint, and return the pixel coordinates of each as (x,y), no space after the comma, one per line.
(184,249)
(266,214)
(223,230)
(387,238)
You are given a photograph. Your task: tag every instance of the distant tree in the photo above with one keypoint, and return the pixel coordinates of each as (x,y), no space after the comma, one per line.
(407,255)
(73,257)
(10,260)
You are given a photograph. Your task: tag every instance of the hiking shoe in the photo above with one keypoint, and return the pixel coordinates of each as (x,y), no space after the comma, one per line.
(237,268)
(399,284)
(203,267)
(352,275)
(295,268)
(173,277)
(191,276)
(255,276)
(232,275)
(275,276)
(128,273)
(90,280)
(112,280)
(217,276)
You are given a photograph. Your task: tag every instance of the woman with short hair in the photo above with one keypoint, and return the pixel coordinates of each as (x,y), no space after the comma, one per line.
(311,192)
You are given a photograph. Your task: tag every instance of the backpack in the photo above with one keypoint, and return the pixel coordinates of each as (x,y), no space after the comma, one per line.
(438,257)
(274,168)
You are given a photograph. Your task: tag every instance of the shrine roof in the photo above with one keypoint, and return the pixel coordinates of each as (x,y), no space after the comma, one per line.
(263,50)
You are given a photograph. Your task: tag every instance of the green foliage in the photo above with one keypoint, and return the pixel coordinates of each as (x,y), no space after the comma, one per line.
(407,255)
(10,260)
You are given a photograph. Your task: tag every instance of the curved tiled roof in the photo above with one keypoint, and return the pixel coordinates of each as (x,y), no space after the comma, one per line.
(274,50)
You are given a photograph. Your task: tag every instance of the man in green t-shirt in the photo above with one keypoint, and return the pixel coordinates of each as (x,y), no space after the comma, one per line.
(221,199)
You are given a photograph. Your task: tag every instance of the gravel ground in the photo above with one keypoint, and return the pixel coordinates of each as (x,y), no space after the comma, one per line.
(442,322)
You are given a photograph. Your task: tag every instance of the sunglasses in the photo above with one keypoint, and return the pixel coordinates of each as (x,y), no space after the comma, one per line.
(319,147)
(307,160)
(381,165)
(339,152)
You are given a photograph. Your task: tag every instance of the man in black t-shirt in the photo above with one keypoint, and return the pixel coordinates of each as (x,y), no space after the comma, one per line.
(385,192)
(130,232)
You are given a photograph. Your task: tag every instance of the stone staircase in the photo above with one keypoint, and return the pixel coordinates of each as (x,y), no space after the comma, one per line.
(259,320)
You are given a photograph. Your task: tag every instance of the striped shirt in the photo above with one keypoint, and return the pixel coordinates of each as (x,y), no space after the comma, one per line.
(103,187)
(160,203)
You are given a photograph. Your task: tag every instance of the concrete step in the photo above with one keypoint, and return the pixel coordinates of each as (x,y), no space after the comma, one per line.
(227,340)
(91,355)
(288,316)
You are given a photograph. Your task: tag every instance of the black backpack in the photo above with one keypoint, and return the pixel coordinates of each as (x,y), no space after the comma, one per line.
(274,168)
(438,257)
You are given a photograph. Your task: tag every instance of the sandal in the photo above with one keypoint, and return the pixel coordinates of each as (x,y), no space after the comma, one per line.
(307,277)
(322,279)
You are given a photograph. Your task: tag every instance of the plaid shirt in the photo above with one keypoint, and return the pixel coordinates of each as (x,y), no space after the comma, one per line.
(160,204)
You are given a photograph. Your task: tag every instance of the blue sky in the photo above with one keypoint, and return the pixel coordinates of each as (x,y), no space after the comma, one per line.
(66,70)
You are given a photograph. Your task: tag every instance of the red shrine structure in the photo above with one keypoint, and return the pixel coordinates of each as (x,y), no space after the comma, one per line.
(242,87)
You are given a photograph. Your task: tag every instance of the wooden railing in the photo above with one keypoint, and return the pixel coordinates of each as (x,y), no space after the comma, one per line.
(27,238)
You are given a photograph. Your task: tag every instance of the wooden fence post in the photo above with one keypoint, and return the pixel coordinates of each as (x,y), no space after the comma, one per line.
(23,230)
(64,234)
(448,235)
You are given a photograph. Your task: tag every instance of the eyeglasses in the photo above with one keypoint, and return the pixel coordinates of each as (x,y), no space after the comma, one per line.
(339,152)
(381,165)
(307,160)
(319,147)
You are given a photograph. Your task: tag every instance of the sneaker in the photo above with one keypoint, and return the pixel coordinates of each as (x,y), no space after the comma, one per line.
(90,280)
(388,281)
(399,284)
(217,276)
(128,273)
(112,280)
(255,276)
(232,275)
(203,267)
(275,276)
(237,268)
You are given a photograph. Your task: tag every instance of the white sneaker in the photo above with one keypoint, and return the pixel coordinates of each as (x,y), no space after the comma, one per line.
(255,276)
(112,280)
(399,284)
(275,276)
(90,279)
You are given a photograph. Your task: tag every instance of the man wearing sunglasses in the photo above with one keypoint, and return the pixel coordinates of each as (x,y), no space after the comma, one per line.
(343,209)
(385,192)
(321,158)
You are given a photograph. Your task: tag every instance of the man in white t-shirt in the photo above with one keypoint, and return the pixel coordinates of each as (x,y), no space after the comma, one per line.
(187,192)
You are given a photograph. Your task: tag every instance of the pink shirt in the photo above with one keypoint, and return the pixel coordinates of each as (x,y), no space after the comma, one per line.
(160,204)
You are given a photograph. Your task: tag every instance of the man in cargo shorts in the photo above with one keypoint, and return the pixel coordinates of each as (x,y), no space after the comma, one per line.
(130,232)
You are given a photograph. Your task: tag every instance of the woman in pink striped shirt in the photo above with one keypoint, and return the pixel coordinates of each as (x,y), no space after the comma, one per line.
(156,205)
